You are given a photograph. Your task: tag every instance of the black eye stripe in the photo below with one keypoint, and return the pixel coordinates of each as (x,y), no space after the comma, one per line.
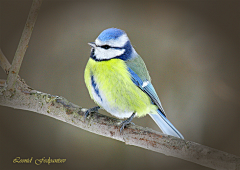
(105,46)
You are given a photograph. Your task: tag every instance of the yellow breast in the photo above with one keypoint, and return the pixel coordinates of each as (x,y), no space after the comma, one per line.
(119,94)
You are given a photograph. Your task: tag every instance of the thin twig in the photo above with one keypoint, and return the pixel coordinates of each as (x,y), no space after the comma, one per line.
(4,62)
(6,66)
(23,44)
(61,109)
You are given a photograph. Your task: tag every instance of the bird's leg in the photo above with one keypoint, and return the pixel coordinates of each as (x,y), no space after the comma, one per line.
(126,122)
(89,111)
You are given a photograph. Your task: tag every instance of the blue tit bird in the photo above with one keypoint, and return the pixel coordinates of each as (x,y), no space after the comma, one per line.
(118,81)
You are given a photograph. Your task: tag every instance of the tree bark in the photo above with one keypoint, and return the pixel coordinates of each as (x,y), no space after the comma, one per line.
(26,98)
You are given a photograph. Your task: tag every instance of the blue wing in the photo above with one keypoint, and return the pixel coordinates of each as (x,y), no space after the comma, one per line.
(148,88)
(165,125)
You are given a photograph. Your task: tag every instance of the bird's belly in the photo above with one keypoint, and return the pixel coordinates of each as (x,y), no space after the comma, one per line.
(113,108)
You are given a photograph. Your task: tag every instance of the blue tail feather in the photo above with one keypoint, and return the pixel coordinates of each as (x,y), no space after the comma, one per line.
(165,125)
(160,118)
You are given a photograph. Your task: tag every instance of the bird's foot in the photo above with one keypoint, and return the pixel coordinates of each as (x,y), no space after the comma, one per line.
(127,122)
(91,110)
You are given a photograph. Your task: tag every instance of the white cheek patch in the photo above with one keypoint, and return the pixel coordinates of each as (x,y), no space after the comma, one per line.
(101,53)
(119,42)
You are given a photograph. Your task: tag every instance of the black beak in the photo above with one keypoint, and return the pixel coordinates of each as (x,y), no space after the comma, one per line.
(92,44)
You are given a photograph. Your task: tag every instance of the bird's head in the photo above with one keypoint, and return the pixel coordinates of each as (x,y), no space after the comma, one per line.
(112,43)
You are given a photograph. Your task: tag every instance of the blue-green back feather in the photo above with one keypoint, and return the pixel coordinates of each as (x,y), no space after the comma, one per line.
(148,89)
(160,118)
(139,73)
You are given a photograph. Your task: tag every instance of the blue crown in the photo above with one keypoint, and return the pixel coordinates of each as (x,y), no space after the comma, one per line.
(110,33)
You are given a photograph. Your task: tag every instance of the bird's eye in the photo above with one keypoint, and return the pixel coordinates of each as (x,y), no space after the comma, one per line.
(105,46)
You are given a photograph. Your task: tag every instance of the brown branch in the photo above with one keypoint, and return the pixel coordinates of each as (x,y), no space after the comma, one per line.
(4,62)
(23,44)
(59,108)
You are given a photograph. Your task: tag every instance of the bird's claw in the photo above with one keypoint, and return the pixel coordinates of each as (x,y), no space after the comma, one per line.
(124,124)
(127,122)
(91,110)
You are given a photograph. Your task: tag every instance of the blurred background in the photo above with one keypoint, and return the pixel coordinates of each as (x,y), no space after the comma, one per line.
(191,49)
